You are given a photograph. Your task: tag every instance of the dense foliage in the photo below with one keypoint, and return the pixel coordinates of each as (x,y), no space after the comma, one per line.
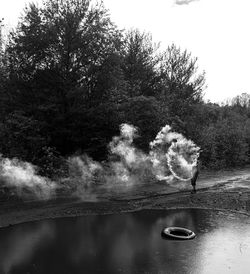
(69,77)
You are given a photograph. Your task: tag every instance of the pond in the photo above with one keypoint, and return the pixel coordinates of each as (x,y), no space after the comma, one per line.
(128,243)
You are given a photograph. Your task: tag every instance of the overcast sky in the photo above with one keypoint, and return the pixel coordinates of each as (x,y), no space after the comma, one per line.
(215,31)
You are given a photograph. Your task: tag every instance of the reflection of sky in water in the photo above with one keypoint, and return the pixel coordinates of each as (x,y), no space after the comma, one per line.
(227,249)
(128,243)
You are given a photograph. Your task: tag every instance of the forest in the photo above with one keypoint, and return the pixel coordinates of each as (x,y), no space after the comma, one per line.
(69,77)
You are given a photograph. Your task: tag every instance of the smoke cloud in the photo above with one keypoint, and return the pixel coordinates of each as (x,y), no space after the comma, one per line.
(129,160)
(172,152)
(21,176)
(83,176)
(123,147)
(171,157)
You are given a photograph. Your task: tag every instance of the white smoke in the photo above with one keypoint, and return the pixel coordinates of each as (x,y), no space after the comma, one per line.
(165,136)
(182,157)
(171,157)
(130,160)
(171,151)
(83,174)
(21,176)
(123,146)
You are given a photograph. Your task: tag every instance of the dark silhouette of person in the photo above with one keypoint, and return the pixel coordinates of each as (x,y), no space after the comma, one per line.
(196,171)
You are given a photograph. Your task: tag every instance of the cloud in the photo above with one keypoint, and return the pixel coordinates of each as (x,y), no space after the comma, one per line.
(184,2)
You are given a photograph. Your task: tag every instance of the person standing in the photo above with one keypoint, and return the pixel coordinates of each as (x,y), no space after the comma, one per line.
(196,171)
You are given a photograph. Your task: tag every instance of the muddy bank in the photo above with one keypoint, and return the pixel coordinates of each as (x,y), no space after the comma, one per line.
(17,211)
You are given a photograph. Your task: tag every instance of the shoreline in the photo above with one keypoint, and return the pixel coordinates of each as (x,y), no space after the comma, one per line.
(235,200)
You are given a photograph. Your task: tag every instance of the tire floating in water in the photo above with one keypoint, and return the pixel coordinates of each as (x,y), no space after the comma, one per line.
(178,233)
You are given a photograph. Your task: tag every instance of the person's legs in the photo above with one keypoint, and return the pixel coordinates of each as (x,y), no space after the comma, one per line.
(194,189)
(193,183)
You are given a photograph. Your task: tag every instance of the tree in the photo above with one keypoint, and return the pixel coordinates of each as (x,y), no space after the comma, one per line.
(240,103)
(1,36)
(54,58)
(3,73)
(145,113)
(140,60)
(111,85)
(21,137)
(224,145)
(242,100)
(181,84)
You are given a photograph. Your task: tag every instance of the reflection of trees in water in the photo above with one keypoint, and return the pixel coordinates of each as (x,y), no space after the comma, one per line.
(130,242)
(85,242)
(100,243)
(171,253)
(19,243)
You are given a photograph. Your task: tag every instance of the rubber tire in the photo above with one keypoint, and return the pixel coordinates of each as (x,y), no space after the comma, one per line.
(166,232)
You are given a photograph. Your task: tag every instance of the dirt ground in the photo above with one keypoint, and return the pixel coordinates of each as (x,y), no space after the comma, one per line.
(227,190)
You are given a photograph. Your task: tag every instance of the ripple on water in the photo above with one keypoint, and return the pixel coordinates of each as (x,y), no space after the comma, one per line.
(129,243)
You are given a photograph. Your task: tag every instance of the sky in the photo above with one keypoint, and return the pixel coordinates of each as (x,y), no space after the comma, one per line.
(215,31)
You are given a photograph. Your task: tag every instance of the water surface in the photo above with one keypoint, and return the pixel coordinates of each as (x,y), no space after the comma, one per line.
(128,243)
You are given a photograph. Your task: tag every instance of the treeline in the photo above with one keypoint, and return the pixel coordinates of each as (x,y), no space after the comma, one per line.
(69,77)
